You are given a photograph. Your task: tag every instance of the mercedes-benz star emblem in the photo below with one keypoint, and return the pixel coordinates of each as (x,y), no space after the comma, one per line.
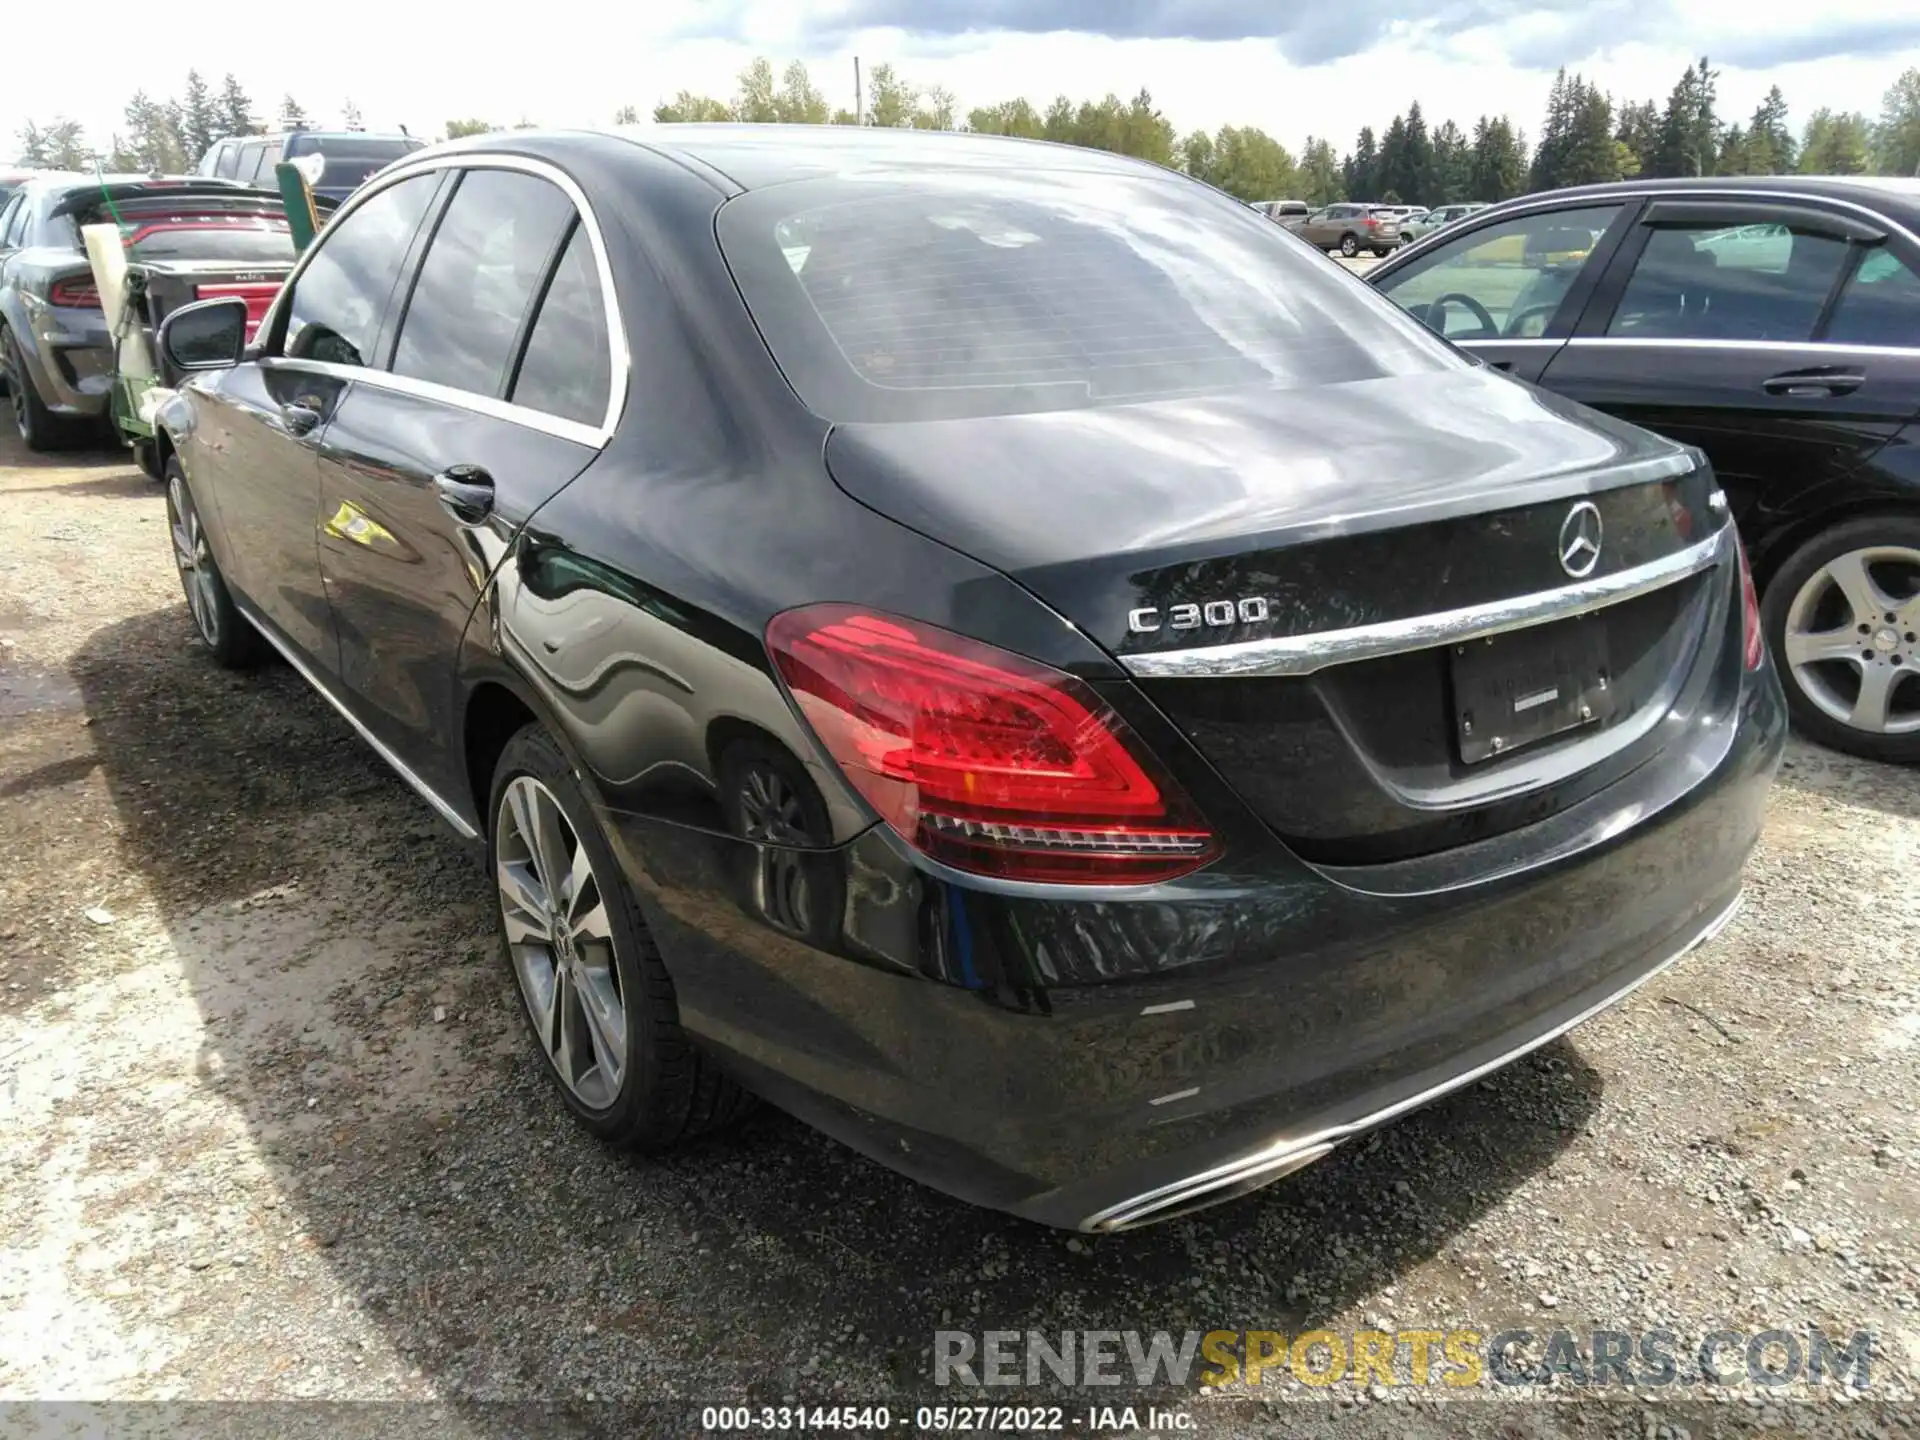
(1580,540)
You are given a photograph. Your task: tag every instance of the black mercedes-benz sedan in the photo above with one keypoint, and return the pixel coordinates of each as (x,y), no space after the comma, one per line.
(1772,320)
(995,647)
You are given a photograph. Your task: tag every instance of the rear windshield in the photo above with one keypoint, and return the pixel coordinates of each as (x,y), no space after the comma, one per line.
(185,231)
(350,158)
(932,295)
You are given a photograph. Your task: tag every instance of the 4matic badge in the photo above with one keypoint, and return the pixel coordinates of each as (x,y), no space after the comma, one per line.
(1148,618)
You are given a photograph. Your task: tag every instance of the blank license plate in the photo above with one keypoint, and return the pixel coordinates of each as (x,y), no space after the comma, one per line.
(1520,688)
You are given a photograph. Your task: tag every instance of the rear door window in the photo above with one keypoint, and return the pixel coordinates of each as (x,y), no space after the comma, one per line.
(567,369)
(1880,306)
(226,160)
(485,263)
(1503,281)
(337,304)
(1721,282)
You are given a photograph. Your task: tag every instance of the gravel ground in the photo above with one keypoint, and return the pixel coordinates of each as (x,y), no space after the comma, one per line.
(269,1129)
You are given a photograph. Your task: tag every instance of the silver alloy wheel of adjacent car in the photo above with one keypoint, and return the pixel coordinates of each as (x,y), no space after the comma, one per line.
(195,560)
(561,943)
(1845,622)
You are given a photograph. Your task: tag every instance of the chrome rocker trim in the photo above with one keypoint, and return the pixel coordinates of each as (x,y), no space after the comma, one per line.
(426,792)
(1304,654)
(1283,1157)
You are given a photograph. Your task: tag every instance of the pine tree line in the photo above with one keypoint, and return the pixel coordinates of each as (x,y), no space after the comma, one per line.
(167,136)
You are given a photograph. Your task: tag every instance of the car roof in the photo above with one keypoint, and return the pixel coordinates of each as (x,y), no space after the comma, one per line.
(1894,194)
(753,156)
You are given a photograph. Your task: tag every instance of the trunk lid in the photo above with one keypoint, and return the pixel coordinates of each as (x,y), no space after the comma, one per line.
(1216,526)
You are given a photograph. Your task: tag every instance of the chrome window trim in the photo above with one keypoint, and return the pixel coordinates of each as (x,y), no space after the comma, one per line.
(586,434)
(1305,654)
(1561,201)
(592,436)
(1682,342)
(400,767)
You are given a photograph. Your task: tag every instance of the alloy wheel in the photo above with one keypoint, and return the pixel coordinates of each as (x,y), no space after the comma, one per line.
(1852,639)
(190,553)
(770,808)
(561,942)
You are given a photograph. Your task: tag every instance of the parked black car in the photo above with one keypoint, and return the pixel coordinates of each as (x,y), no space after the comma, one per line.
(996,647)
(56,355)
(1773,322)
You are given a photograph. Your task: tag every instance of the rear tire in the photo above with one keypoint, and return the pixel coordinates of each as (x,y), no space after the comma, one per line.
(228,634)
(638,1082)
(1875,676)
(147,456)
(1349,245)
(39,428)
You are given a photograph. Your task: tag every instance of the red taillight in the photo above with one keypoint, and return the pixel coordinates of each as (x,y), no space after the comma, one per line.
(981,759)
(1372,222)
(77,292)
(258,295)
(1749,609)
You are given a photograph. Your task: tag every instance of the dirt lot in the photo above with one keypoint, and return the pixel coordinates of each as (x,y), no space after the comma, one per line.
(269,1128)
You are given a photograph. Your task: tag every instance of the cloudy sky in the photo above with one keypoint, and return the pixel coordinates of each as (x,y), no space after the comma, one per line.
(1293,67)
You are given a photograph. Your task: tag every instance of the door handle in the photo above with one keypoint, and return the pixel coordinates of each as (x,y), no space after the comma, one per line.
(298,418)
(1814,384)
(466,491)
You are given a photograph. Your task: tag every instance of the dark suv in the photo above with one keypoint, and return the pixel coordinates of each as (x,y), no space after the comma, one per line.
(349,157)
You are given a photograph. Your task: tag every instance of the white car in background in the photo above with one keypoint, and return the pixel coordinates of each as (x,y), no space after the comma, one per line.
(1441,215)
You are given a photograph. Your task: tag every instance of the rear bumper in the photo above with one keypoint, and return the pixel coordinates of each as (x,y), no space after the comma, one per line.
(68,355)
(1098,1061)
(1308,1142)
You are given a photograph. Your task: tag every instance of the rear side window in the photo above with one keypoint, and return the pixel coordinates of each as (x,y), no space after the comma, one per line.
(226,160)
(987,293)
(1880,306)
(10,220)
(568,369)
(486,261)
(1720,282)
(334,314)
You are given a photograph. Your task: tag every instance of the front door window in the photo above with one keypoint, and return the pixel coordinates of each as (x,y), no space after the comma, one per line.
(1505,281)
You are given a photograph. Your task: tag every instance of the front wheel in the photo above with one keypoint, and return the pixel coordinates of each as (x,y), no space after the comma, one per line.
(596,995)
(228,634)
(1349,245)
(1842,617)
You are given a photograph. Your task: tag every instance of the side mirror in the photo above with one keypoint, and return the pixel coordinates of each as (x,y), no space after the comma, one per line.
(207,335)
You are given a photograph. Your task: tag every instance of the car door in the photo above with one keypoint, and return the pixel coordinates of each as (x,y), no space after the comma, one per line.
(258,426)
(1760,331)
(1509,290)
(497,393)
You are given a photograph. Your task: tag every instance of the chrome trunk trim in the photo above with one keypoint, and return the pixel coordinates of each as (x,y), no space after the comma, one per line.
(1304,654)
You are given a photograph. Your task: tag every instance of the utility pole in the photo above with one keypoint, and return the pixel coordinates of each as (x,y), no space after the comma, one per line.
(859,103)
